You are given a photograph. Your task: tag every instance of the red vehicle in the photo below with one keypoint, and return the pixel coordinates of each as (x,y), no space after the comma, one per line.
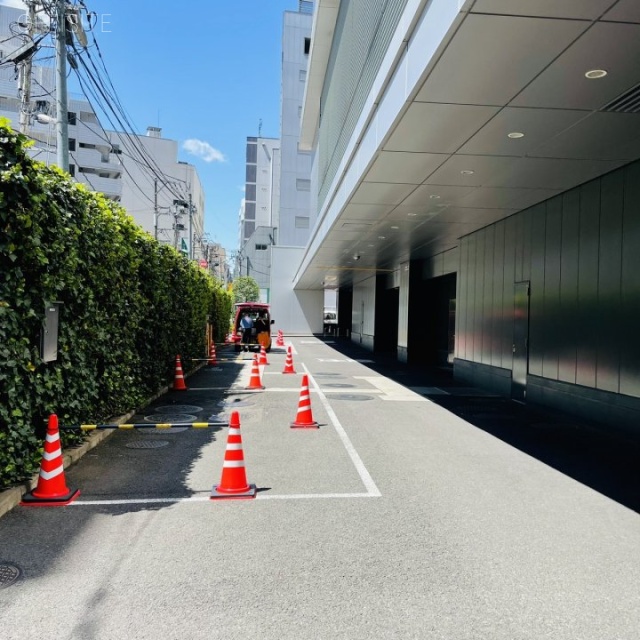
(252,339)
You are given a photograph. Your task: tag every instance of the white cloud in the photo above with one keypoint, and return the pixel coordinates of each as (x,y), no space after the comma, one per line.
(16,4)
(203,150)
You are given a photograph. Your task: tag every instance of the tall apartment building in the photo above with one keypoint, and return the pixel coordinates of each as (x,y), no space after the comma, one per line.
(280,170)
(259,210)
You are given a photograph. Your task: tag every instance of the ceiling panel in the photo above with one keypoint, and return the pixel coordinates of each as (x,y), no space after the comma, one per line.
(624,11)
(474,69)
(400,166)
(366,211)
(538,126)
(437,128)
(381,193)
(448,194)
(552,173)
(575,9)
(609,136)
(614,47)
(484,168)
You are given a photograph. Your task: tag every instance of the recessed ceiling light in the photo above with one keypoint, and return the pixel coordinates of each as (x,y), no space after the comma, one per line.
(381,237)
(466,172)
(433,196)
(515,134)
(412,215)
(393,226)
(594,74)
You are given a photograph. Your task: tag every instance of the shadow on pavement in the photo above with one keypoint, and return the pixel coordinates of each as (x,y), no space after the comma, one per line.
(585,452)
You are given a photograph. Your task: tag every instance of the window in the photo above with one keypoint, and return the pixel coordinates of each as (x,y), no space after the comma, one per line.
(116,149)
(71,117)
(261,247)
(72,144)
(302,75)
(302,223)
(250,192)
(249,210)
(87,145)
(303,184)
(252,153)
(252,172)
(307,46)
(249,228)
(72,169)
(88,116)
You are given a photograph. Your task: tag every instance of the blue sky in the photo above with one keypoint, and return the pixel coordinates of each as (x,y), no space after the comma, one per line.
(206,71)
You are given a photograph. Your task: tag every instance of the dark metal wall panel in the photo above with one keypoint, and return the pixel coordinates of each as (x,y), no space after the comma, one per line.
(518,247)
(536,300)
(586,329)
(609,279)
(508,291)
(552,338)
(527,219)
(488,311)
(568,286)
(630,312)
(477,298)
(471,295)
(498,296)
(462,304)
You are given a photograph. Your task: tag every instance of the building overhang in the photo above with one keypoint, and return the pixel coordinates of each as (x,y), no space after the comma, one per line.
(324,24)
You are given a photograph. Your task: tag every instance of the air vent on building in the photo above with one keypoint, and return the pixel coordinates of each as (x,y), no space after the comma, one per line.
(628,102)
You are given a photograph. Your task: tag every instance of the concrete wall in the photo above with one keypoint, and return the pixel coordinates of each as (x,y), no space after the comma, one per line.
(295,312)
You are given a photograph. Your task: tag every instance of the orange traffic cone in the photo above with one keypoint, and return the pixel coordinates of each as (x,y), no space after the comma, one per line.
(213,361)
(288,363)
(304,419)
(178,382)
(263,355)
(255,382)
(52,490)
(280,339)
(233,483)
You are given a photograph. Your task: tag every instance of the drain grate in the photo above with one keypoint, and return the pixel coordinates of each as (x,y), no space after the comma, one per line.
(178,408)
(350,396)
(9,573)
(171,418)
(339,386)
(147,444)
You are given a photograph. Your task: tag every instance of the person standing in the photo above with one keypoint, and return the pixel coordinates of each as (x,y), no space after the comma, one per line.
(246,324)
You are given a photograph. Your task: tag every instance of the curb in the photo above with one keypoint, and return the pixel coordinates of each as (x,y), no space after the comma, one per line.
(9,498)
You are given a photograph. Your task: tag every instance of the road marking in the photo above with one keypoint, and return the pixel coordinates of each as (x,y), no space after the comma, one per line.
(260,496)
(366,478)
(392,390)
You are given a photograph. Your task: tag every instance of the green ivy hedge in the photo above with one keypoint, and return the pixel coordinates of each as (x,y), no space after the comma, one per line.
(129,305)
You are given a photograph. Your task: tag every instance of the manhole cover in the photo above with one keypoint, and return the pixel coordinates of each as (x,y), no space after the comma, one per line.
(235,402)
(338,385)
(178,408)
(350,396)
(171,418)
(9,573)
(147,444)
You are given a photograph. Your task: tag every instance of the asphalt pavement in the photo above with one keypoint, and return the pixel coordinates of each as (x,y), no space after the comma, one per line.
(420,508)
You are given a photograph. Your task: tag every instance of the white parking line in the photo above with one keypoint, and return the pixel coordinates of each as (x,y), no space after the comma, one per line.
(259,496)
(366,478)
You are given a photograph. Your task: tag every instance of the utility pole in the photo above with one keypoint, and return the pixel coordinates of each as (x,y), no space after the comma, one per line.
(25,73)
(155,208)
(190,225)
(62,109)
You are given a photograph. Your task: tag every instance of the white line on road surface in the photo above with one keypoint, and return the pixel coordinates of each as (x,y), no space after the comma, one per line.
(260,496)
(366,478)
